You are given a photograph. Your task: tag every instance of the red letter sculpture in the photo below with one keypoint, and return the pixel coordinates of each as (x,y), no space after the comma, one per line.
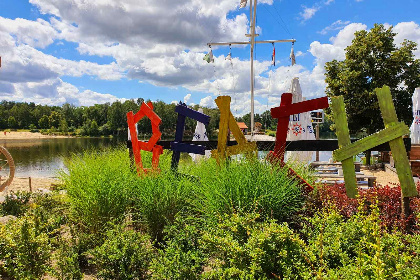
(146,110)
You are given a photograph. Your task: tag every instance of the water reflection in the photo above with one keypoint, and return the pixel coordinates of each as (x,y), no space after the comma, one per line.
(43,157)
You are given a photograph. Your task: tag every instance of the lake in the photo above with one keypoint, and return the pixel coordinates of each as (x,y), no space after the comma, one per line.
(44,157)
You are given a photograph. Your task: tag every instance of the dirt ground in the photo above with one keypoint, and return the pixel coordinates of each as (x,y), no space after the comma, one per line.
(383,178)
(22,184)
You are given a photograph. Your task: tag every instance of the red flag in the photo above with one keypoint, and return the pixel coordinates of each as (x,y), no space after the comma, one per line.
(273,57)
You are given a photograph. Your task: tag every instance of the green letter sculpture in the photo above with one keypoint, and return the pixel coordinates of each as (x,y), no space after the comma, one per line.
(392,133)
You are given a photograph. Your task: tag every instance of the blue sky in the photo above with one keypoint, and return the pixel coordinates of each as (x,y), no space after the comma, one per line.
(87,52)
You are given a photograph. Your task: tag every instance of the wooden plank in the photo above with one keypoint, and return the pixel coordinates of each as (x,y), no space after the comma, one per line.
(408,188)
(296,108)
(193,114)
(227,121)
(180,126)
(223,103)
(282,128)
(300,145)
(179,147)
(390,133)
(343,135)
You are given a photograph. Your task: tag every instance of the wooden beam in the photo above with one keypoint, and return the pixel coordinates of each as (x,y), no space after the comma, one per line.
(343,135)
(408,188)
(392,132)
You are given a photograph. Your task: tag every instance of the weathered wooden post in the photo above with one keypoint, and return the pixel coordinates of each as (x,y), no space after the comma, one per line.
(228,122)
(392,133)
(177,146)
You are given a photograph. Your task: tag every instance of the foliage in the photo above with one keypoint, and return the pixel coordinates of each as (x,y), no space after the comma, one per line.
(125,254)
(24,249)
(15,203)
(372,61)
(358,248)
(99,119)
(244,248)
(67,261)
(387,199)
(99,186)
(246,186)
(183,255)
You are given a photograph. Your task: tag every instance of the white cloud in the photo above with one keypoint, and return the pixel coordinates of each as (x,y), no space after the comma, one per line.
(410,31)
(53,92)
(187,98)
(337,25)
(309,12)
(207,102)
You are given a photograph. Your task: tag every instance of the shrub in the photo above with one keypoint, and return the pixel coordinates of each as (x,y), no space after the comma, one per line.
(182,256)
(15,203)
(67,265)
(388,201)
(158,199)
(357,248)
(24,250)
(125,254)
(246,186)
(99,186)
(241,247)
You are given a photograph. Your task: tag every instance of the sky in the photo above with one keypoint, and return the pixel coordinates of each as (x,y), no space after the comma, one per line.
(86,52)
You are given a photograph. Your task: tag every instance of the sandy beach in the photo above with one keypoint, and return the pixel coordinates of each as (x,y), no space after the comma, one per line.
(22,184)
(21,135)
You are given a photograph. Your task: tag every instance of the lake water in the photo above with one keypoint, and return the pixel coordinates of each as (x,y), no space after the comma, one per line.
(44,157)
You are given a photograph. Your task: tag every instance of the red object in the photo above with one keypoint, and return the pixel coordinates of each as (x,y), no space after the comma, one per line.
(283,113)
(146,110)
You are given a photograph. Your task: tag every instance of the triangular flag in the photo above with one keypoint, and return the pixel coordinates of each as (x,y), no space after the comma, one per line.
(243,3)
(229,57)
(273,57)
(292,56)
(209,57)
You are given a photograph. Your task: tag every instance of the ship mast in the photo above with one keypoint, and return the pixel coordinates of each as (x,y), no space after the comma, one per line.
(252,42)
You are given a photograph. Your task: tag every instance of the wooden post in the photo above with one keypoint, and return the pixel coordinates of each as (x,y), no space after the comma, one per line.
(343,135)
(317,138)
(30,184)
(408,188)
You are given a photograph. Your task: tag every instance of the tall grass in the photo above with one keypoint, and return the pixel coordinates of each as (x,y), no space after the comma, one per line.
(246,186)
(99,185)
(103,188)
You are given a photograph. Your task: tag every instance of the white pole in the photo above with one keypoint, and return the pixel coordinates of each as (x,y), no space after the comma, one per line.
(252,67)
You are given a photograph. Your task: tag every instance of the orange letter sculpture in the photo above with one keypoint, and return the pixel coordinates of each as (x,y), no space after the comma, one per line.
(146,110)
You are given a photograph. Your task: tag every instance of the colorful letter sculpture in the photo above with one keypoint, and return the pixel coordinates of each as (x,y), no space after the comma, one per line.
(228,122)
(283,113)
(392,133)
(146,110)
(177,146)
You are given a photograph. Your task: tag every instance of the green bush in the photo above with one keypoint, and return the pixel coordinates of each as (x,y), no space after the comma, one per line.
(359,248)
(125,254)
(99,186)
(24,250)
(67,265)
(246,186)
(15,203)
(242,247)
(182,256)
(158,199)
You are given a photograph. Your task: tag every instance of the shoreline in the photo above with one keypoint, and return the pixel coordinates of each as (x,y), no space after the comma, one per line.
(26,135)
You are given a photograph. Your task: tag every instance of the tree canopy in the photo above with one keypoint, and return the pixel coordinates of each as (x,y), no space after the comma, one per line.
(373,60)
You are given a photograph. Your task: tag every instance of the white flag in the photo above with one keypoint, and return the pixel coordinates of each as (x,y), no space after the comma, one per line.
(200,135)
(243,3)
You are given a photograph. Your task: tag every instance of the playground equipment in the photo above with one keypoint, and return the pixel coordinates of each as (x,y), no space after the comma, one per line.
(7,168)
